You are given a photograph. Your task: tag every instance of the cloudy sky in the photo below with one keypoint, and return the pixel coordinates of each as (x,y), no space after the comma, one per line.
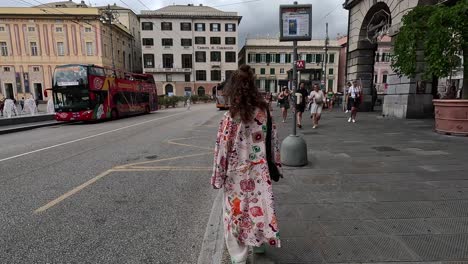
(260,17)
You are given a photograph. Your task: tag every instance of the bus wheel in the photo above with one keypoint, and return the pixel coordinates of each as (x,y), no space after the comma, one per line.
(114,114)
(147,110)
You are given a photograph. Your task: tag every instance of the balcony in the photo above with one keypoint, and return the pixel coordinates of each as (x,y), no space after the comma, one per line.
(168,70)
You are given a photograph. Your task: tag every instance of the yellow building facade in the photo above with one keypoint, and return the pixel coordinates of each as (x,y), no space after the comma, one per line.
(33,41)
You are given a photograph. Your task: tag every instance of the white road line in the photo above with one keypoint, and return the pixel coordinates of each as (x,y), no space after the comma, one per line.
(88,137)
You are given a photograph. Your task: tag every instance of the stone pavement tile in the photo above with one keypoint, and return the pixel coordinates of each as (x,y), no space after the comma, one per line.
(365,249)
(378,191)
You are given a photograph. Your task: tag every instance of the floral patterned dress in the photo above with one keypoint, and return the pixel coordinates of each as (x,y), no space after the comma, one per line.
(241,168)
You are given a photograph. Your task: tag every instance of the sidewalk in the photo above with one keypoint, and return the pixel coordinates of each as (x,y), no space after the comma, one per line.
(26,121)
(377,191)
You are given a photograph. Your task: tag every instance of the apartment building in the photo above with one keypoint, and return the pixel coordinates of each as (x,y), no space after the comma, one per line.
(34,40)
(272,62)
(189,49)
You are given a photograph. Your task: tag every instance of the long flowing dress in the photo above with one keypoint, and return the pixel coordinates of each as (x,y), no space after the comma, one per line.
(241,168)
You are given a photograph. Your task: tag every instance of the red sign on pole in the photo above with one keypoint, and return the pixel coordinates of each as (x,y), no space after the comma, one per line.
(300,64)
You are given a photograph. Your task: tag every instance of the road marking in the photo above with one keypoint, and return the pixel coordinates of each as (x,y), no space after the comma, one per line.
(88,137)
(213,241)
(72,192)
(167,159)
(173,142)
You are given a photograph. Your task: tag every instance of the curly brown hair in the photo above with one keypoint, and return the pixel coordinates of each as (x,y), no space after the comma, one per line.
(242,94)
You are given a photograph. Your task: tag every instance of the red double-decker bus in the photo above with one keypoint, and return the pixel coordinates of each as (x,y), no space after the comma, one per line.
(90,92)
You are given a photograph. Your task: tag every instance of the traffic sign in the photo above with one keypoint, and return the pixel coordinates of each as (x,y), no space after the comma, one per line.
(300,64)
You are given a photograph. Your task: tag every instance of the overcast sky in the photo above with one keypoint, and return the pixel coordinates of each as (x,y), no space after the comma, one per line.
(260,17)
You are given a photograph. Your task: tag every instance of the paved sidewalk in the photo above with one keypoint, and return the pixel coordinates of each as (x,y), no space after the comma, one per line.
(376,191)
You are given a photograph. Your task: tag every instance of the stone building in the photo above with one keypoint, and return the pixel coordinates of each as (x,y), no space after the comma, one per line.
(368,20)
(272,60)
(189,49)
(34,40)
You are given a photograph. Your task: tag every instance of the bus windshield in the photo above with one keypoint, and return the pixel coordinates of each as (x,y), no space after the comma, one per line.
(72,75)
(72,99)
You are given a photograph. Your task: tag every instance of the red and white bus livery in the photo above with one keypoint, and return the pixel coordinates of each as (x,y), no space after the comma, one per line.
(90,92)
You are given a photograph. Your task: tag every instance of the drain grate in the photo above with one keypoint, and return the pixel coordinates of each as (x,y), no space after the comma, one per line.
(385,149)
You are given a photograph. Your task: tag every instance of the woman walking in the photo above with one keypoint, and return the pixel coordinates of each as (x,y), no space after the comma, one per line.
(283,99)
(317,98)
(354,97)
(241,168)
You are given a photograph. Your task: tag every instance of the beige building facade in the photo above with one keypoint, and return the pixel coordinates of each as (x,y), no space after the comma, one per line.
(272,62)
(34,40)
(189,49)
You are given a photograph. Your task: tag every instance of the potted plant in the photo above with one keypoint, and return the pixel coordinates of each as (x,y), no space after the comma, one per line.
(438,33)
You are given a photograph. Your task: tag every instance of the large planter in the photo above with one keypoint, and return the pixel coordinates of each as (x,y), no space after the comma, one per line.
(451,117)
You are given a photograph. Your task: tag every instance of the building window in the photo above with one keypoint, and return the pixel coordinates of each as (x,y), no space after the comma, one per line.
(169,89)
(60,49)
(201,75)
(330,84)
(230,56)
(6,69)
(216,75)
(59,29)
(4,48)
(200,56)
(36,69)
(332,58)
(167,42)
(375,77)
(272,71)
(87,29)
(89,49)
(2,29)
(384,78)
(148,42)
(216,56)
(200,40)
(148,60)
(330,71)
(386,57)
(377,57)
(187,78)
(166,26)
(31,29)
(200,27)
(262,71)
(168,77)
(184,26)
(230,41)
(33,49)
(282,71)
(187,61)
(263,58)
(186,42)
(201,91)
(168,61)
(146,25)
(277,58)
(251,58)
(215,27)
(215,40)
(230,27)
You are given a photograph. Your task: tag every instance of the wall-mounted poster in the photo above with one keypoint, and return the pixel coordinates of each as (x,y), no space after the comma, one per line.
(295,22)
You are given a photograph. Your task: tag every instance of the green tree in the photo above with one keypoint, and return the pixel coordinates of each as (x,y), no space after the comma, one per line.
(440,34)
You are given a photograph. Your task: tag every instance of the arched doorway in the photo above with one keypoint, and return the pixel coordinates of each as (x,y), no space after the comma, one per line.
(169,89)
(201,91)
(369,21)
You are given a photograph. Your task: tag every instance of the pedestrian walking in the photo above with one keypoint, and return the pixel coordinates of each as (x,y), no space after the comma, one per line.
(354,95)
(283,100)
(374,97)
(241,168)
(301,103)
(317,99)
(2,104)
(346,95)
(21,101)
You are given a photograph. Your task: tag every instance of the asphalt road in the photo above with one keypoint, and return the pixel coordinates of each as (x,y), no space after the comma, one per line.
(134,190)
